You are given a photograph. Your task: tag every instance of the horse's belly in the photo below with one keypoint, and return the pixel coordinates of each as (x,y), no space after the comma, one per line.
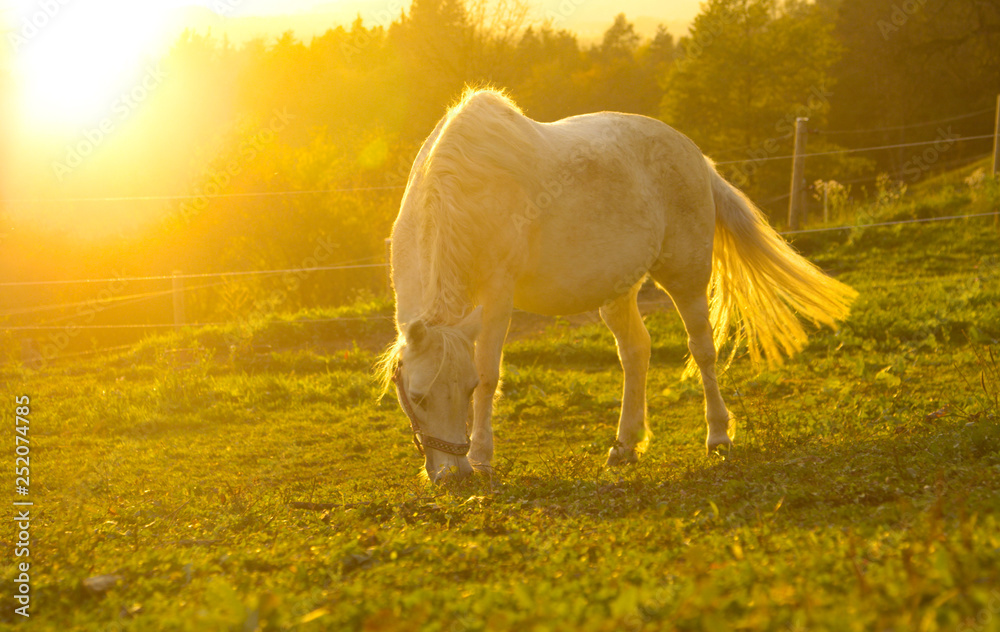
(553,300)
(578,279)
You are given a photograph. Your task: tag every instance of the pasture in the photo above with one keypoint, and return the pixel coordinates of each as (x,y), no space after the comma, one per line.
(863,492)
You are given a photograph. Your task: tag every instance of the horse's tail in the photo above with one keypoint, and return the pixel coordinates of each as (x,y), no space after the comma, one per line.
(759,280)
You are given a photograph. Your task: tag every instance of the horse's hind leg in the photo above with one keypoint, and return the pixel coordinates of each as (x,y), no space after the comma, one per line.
(691,300)
(623,319)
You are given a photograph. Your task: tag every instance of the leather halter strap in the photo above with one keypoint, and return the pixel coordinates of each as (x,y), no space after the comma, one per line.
(458,449)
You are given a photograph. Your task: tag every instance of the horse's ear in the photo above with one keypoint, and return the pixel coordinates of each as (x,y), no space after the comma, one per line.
(416,333)
(472,323)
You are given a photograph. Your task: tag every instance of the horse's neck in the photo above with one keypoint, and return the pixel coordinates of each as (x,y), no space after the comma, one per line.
(414,297)
(406,277)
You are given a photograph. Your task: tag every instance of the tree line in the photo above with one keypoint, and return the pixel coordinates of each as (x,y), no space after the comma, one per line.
(338,120)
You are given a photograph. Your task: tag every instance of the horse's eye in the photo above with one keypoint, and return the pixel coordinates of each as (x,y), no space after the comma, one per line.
(418,398)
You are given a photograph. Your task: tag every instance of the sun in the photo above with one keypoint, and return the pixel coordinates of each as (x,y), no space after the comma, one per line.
(75,62)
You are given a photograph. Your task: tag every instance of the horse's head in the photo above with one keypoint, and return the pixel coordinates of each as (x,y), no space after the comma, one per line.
(435,376)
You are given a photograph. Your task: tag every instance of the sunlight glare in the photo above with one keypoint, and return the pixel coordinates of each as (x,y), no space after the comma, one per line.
(74,61)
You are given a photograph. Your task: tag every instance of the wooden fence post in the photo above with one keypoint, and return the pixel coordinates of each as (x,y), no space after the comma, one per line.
(178,285)
(826,205)
(996,157)
(797,199)
(996,141)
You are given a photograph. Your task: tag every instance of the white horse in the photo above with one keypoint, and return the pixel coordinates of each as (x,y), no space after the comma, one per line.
(501,211)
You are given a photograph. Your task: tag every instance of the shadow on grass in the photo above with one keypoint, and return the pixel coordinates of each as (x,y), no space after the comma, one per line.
(818,484)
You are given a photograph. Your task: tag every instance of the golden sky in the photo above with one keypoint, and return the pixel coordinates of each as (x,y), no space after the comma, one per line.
(69,55)
(79,69)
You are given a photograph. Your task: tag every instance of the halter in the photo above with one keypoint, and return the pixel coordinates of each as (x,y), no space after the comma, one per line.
(458,449)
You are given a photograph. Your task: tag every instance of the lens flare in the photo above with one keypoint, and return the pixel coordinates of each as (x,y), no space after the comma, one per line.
(73,61)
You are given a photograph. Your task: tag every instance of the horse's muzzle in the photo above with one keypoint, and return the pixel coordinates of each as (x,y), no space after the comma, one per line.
(445,467)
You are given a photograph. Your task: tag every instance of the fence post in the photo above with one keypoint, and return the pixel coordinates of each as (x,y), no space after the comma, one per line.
(796,202)
(826,205)
(388,266)
(996,157)
(178,285)
(996,141)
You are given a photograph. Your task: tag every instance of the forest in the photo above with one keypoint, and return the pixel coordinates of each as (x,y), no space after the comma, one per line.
(281,153)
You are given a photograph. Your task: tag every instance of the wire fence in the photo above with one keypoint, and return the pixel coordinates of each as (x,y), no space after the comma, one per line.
(923,220)
(199,275)
(149,295)
(370,262)
(833,152)
(176,197)
(398,187)
(298,321)
(896,128)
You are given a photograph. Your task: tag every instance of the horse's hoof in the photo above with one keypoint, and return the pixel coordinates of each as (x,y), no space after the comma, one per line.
(620,455)
(480,457)
(447,475)
(722,445)
(482,468)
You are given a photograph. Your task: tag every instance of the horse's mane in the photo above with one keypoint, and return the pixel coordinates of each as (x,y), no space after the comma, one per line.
(485,139)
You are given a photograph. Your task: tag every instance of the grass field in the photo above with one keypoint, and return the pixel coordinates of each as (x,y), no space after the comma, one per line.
(863,494)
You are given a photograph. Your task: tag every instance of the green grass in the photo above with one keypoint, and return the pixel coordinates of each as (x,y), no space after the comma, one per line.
(863,494)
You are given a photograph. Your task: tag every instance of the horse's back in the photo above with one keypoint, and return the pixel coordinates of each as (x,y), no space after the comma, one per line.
(570,213)
(622,192)
(634,169)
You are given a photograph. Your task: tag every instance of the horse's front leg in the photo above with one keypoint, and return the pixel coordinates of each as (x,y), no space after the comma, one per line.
(489,351)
